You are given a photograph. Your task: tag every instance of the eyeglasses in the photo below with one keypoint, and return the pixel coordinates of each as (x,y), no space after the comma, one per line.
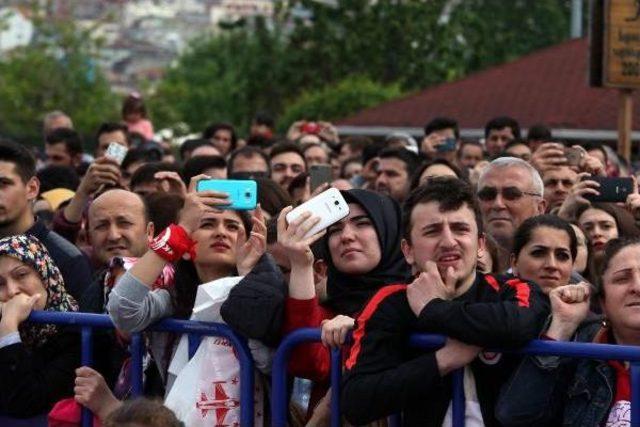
(487,194)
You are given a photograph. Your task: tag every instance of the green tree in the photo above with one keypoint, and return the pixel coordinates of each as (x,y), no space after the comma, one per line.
(338,100)
(409,43)
(225,78)
(57,71)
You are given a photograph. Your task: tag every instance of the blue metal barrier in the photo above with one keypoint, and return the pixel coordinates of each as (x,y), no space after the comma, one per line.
(279,407)
(87,322)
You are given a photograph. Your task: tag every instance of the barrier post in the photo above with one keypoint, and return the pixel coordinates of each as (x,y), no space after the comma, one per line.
(457,400)
(194,343)
(336,380)
(635,394)
(137,349)
(86,359)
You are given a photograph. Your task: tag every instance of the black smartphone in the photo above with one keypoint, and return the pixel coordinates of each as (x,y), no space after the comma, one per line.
(319,175)
(612,190)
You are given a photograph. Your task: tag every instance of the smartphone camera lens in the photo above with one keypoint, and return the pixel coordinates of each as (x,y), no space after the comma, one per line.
(247,195)
(336,203)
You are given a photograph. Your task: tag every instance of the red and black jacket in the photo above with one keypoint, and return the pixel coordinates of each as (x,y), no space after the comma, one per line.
(385,376)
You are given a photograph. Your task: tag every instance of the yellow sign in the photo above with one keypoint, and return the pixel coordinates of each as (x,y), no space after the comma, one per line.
(622,44)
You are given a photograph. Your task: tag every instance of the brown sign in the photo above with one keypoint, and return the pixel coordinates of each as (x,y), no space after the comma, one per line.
(622,44)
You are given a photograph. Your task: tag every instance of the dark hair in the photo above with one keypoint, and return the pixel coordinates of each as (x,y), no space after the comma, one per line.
(514,143)
(524,233)
(356,143)
(69,137)
(595,145)
(286,147)
(187,280)
(612,248)
(623,218)
(410,159)
(415,179)
(271,196)
(263,118)
(142,411)
(109,127)
(51,177)
(450,193)
(247,152)
(307,145)
(145,173)
(371,151)
(133,104)
(20,156)
(469,142)
(134,155)
(163,209)
(210,132)
(347,162)
(298,182)
(442,123)
(606,207)
(539,132)
(501,123)
(191,144)
(260,141)
(197,165)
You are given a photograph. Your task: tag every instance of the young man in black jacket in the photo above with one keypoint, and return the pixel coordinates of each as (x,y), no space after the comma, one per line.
(442,240)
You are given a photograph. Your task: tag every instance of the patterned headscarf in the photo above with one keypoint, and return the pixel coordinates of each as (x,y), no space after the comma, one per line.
(32,252)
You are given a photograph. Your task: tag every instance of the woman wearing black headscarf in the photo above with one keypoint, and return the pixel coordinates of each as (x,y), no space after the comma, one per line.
(363,255)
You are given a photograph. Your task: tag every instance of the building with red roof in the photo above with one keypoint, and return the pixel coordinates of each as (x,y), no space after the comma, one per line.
(549,86)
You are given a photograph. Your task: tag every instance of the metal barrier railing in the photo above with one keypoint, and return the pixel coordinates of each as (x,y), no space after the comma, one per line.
(86,322)
(279,402)
(279,399)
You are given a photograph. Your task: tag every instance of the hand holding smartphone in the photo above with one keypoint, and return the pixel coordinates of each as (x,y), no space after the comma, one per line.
(612,190)
(319,174)
(243,194)
(329,206)
(117,152)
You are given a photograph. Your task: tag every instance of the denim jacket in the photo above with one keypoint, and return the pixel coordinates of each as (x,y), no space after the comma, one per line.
(554,391)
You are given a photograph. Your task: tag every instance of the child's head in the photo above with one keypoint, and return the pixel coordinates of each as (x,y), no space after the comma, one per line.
(142,412)
(133,108)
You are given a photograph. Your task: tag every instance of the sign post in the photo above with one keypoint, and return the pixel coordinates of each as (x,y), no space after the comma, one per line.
(621,62)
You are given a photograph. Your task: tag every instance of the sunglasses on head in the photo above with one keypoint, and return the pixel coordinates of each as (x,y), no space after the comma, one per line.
(487,194)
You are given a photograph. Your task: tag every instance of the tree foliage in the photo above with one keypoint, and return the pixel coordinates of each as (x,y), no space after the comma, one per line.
(409,43)
(226,78)
(57,71)
(338,100)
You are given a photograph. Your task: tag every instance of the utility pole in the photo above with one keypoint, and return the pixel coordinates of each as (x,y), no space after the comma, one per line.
(576,19)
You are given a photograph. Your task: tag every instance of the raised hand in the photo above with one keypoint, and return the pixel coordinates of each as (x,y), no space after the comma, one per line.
(548,156)
(576,197)
(569,307)
(292,237)
(249,251)
(633,200)
(16,310)
(170,182)
(429,285)
(103,172)
(197,203)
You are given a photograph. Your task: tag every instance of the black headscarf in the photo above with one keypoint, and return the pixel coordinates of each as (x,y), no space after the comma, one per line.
(347,294)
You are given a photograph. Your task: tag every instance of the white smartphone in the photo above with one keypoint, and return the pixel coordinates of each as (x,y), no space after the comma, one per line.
(329,205)
(117,152)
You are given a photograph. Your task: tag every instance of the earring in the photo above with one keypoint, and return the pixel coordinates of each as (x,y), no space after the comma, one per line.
(605,322)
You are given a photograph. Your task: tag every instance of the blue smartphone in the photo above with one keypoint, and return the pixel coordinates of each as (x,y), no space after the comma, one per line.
(243,193)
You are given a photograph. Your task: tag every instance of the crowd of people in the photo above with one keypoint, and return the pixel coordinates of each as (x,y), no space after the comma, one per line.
(492,243)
